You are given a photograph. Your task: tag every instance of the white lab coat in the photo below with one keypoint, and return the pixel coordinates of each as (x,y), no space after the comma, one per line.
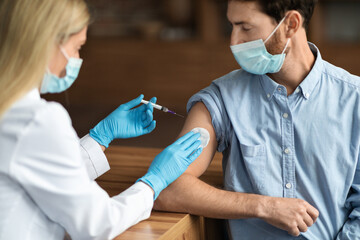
(47,177)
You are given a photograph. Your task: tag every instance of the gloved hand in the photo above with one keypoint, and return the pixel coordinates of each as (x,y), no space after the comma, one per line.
(172,162)
(125,122)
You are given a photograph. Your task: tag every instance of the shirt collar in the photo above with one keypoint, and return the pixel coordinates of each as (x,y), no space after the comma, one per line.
(306,86)
(33,94)
(268,85)
(29,96)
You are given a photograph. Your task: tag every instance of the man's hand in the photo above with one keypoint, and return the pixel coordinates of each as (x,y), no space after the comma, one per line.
(290,214)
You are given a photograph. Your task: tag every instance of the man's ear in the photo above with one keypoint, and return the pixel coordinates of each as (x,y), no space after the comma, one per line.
(293,23)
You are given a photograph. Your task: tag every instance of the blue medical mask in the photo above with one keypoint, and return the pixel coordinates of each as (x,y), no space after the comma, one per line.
(54,84)
(254,58)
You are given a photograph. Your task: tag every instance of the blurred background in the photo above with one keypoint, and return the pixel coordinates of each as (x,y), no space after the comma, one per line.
(173,48)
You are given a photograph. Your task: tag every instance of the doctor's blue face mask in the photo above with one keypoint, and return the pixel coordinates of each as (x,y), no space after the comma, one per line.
(54,84)
(254,58)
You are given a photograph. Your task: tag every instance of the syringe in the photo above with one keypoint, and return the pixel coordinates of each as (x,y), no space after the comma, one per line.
(164,109)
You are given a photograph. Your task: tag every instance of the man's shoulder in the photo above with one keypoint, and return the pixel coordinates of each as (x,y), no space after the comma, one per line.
(214,93)
(341,75)
(230,83)
(233,80)
(233,76)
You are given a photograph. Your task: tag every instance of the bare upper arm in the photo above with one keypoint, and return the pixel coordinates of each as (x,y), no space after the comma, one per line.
(199,116)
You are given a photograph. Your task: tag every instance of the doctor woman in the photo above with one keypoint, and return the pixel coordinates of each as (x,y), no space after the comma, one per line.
(47,174)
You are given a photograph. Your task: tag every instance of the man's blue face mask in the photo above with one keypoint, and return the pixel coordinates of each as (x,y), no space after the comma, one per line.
(254,58)
(54,84)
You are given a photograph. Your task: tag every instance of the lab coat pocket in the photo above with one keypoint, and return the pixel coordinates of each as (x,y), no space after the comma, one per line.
(255,161)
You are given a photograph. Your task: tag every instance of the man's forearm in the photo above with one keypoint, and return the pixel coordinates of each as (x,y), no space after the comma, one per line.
(205,200)
(191,195)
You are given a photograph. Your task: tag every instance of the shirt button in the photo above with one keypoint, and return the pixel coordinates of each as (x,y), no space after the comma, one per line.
(268,95)
(297,90)
(287,150)
(288,185)
(307,95)
(285,115)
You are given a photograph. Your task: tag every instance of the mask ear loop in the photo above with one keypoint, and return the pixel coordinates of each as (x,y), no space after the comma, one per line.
(67,98)
(65,55)
(64,52)
(276,28)
(287,43)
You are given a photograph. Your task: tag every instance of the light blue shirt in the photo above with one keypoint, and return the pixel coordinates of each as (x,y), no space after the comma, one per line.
(305,145)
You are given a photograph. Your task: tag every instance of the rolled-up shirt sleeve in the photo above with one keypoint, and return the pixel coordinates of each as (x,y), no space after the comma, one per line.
(211,97)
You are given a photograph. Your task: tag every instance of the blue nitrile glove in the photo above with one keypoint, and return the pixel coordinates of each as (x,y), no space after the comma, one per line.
(125,122)
(172,162)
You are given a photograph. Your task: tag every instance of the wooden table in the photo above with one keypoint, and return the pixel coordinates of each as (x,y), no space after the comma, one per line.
(165,226)
(127,165)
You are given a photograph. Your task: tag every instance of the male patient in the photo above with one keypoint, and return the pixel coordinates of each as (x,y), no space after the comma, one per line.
(287,124)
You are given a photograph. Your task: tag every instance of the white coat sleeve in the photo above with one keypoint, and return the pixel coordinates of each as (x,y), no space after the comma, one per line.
(94,158)
(53,174)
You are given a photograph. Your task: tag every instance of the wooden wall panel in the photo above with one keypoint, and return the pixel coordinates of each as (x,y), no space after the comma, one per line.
(116,71)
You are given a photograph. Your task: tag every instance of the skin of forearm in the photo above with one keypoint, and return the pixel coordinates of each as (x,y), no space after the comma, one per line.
(205,200)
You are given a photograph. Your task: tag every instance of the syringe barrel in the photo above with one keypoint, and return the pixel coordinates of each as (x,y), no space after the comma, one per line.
(154,105)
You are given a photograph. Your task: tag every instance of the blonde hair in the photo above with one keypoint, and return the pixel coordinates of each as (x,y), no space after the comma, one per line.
(29,32)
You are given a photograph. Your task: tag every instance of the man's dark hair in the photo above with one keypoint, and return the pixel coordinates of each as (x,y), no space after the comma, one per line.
(277,8)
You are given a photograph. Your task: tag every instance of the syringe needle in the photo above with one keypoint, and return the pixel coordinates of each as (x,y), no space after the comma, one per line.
(159,107)
(176,113)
